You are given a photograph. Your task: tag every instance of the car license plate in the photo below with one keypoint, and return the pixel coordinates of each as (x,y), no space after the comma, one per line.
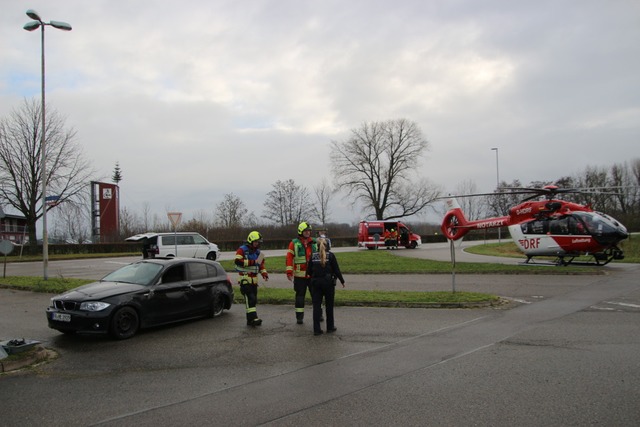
(61,317)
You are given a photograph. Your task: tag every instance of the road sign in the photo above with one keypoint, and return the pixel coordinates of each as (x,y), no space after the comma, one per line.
(5,247)
(175,218)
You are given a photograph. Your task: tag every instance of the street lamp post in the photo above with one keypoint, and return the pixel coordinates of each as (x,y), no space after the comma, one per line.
(30,26)
(497,181)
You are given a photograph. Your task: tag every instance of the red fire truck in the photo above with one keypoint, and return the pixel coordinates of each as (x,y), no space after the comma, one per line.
(375,234)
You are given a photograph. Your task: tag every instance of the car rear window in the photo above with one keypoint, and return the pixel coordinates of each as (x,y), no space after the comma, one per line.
(141,273)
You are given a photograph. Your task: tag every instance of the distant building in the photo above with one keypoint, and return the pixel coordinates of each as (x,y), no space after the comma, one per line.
(14,228)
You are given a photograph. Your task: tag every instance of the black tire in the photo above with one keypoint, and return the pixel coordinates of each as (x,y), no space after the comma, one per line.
(413,245)
(211,256)
(217,305)
(124,323)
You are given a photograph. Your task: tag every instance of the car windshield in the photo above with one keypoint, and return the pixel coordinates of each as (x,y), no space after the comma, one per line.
(141,273)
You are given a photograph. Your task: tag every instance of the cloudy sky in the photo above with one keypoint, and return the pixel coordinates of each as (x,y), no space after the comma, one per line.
(196,99)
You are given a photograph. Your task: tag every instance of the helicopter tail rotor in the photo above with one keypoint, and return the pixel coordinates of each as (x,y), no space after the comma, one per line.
(454,225)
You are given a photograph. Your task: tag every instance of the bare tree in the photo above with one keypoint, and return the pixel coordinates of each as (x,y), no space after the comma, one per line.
(288,203)
(71,222)
(130,223)
(473,207)
(594,178)
(20,161)
(252,220)
(146,215)
(230,212)
(323,193)
(503,200)
(375,166)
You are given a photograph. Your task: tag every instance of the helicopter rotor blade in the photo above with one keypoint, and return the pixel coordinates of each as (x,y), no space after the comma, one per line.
(549,192)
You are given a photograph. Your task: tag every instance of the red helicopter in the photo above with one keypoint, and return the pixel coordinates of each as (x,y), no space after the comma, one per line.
(549,227)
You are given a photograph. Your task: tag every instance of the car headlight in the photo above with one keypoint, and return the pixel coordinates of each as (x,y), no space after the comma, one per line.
(94,305)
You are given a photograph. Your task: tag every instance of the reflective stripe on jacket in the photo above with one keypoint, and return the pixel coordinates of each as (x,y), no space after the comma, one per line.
(246,264)
(298,255)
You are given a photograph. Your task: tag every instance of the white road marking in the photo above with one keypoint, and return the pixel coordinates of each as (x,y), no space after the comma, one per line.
(622,304)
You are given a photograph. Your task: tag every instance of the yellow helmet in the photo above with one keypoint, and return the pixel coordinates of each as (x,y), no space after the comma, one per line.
(303,226)
(254,236)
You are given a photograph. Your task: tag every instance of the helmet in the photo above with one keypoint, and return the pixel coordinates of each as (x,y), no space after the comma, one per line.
(254,236)
(303,226)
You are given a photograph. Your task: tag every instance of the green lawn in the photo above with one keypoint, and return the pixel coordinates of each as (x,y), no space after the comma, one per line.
(386,262)
(286,296)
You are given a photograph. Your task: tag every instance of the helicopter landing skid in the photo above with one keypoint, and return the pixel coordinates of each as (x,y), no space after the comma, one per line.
(563,261)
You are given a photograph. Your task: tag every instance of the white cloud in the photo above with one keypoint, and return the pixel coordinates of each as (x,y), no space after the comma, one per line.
(196,99)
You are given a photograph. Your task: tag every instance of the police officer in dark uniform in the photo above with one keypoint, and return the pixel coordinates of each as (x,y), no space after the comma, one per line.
(323,268)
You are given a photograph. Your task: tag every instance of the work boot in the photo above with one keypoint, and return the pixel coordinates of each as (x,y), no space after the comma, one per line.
(299,318)
(252,319)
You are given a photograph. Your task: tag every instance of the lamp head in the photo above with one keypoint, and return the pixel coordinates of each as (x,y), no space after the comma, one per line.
(33,15)
(60,25)
(33,25)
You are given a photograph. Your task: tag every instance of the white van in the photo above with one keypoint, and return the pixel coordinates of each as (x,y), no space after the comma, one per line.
(183,245)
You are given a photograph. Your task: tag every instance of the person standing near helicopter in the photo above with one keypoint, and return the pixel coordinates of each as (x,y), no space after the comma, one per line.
(249,263)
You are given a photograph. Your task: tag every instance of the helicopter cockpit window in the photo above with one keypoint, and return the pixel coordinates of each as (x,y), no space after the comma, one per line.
(559,225)
(535,227)
(592,222)
(576,226)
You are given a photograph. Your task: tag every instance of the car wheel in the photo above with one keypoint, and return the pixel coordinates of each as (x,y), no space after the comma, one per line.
(413,245)
(217,305)
(124,323)
(211,256)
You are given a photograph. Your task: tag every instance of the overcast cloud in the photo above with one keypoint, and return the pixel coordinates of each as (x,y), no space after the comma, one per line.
(196,99)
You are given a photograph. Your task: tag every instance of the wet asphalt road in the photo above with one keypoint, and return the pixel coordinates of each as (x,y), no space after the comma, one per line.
(564,353)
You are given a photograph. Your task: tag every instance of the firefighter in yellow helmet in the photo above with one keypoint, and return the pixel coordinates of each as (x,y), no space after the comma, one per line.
(249,263)
(298,255)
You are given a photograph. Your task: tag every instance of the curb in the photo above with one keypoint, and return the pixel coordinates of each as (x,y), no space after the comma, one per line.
(38,354)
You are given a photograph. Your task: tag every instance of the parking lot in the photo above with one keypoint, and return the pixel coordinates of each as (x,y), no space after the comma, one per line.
(563,353)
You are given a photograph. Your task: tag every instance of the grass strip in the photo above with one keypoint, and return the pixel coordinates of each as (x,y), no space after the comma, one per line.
(286,296)
(386,262)
(377,298)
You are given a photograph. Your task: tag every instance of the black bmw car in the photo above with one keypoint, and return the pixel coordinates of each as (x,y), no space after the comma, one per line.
(146,293)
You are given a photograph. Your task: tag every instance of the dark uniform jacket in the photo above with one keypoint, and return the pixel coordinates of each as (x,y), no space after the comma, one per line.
(331,269)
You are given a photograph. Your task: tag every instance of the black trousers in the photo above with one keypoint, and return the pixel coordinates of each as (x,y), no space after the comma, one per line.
(323,288)
(250,293)
(300,285)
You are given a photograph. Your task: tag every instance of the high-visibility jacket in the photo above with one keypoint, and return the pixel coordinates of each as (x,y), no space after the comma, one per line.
(247,264)
(298,255)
